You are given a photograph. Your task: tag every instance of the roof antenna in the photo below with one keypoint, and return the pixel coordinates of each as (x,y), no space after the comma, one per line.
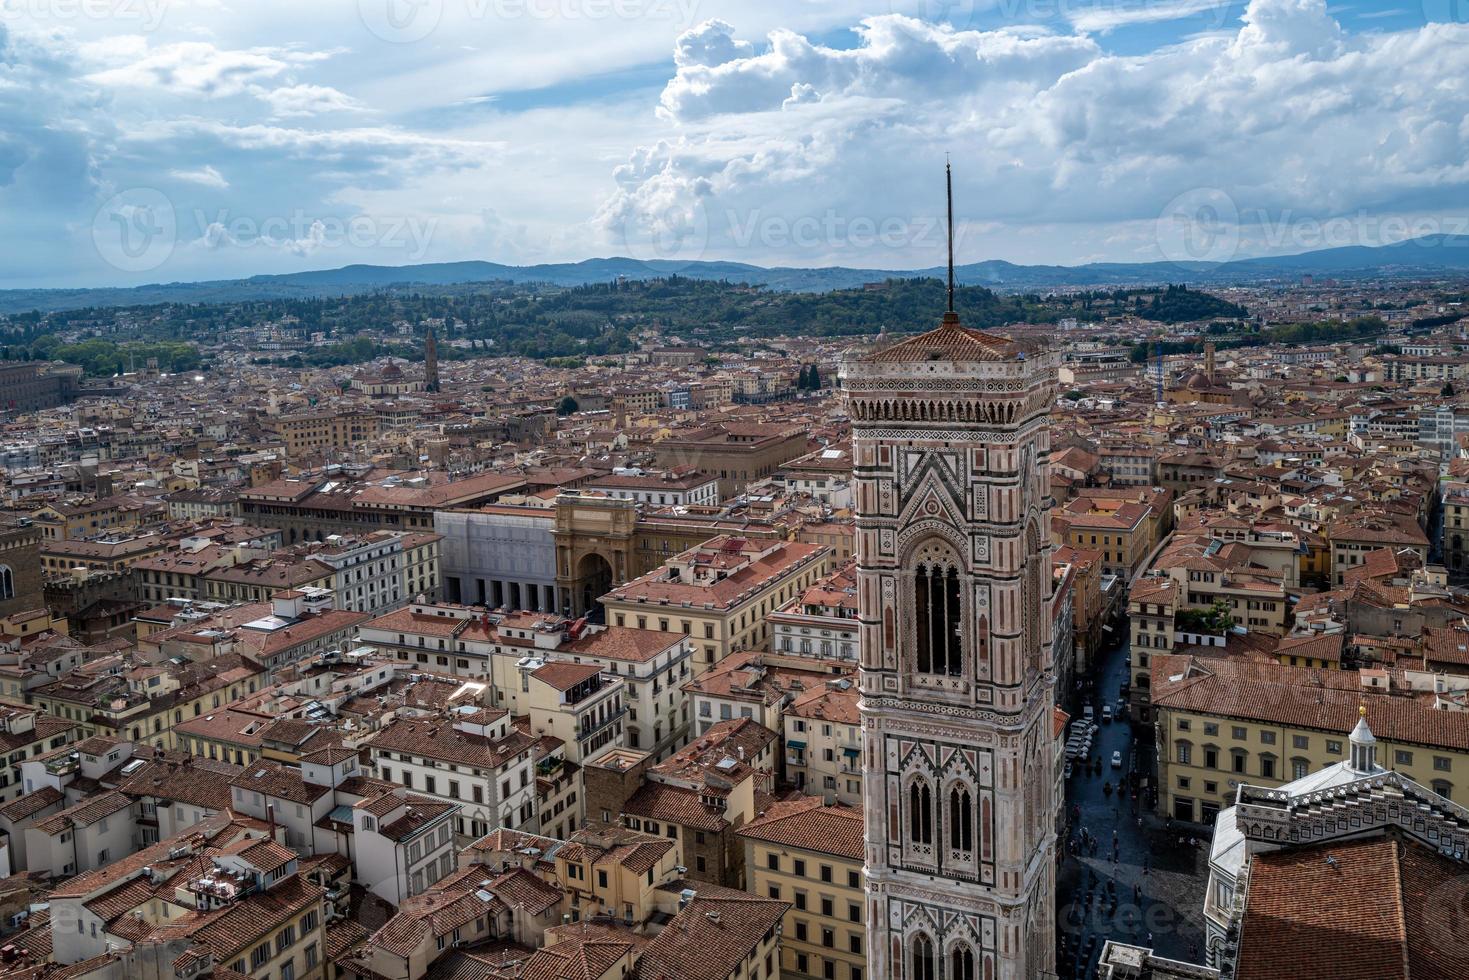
(949,190)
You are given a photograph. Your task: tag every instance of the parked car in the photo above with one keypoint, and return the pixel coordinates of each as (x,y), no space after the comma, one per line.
(1117,759)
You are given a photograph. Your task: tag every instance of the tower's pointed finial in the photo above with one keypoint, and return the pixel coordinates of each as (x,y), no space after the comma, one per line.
(949,192)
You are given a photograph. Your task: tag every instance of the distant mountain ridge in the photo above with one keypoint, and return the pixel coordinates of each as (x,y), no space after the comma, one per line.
(1435,254)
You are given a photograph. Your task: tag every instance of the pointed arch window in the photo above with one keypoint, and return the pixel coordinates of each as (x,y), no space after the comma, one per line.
(1033,594)
(961,819)
(936,607)
(924,966)
(961,962)
(920,812)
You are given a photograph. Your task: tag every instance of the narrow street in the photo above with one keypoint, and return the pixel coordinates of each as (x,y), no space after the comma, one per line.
(1151,893)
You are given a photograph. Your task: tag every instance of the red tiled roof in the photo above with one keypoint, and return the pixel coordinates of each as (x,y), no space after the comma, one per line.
(563,674)
(948,342)
(1372,909)
(710,938)
(808,824)
(1304,697)
(673,804)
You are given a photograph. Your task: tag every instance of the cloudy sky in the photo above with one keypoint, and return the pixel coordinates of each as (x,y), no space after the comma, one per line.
(161,140)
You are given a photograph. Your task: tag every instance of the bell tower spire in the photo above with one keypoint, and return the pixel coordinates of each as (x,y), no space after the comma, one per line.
(430,360)
(949,312)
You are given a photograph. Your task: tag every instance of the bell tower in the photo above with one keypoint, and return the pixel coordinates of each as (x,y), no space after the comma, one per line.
(950,449)
(430,361)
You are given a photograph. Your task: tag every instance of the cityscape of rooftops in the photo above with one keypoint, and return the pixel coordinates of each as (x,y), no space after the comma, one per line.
(697,490)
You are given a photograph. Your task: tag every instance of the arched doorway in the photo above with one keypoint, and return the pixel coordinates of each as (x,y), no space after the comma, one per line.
(594,580)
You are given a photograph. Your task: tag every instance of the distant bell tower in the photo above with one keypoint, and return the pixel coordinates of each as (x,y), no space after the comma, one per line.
(951,440)
(431,361)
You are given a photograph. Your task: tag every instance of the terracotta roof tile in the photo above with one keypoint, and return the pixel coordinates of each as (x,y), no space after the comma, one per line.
(808,824)
(948,342)
(710,938)
(1320,699)
(1354,910)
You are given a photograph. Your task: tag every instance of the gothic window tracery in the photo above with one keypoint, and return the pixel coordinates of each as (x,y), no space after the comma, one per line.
(920,812)
(938,611)
(961,962)
(924,966)
(1033,590)
(961,819)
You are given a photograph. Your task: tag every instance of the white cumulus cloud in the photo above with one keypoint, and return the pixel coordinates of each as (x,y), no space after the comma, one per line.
(205,176)
(196,68)
(307,100)
(1052,136)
